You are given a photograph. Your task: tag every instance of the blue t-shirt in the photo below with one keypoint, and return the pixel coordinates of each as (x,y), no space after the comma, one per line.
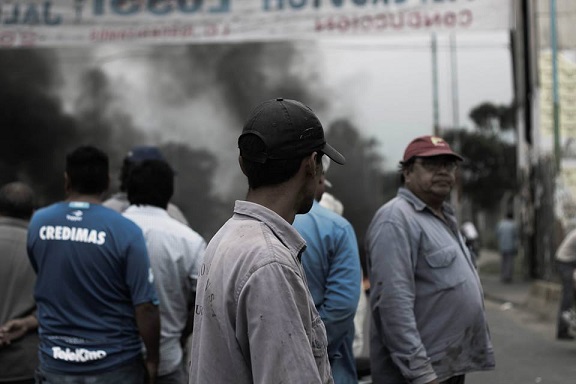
(93,269)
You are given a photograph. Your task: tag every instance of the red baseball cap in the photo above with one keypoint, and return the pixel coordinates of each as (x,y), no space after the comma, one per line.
(426,146)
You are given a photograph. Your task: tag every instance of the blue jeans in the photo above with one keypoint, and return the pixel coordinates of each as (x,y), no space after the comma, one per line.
(131,373)
(179,376)
(455,380)
(566,271)
(507,266)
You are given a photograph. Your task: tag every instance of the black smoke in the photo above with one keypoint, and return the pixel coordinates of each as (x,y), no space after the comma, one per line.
(245,74)
(38,131)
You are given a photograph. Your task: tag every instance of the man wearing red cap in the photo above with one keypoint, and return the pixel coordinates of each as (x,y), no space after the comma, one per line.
(428,319)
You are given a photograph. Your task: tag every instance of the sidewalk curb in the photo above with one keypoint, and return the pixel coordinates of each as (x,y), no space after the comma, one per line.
(544,298)
(540,297)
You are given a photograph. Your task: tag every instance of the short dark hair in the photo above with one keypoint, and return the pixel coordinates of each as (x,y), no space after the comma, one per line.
(87,169)
(151,182)
(272,172)
(17,200)
(403,166)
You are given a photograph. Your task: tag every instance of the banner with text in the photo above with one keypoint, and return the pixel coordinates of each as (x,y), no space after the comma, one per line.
(81,22)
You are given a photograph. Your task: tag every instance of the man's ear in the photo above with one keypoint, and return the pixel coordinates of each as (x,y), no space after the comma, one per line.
(311,164)
(241,163)
(406,172)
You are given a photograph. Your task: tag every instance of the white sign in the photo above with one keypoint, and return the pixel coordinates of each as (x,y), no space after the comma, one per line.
(566,97)
(82,22)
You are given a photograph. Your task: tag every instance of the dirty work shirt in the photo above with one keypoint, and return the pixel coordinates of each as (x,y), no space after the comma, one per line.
(427,303)
(176,253)
(255,321)
(93,269)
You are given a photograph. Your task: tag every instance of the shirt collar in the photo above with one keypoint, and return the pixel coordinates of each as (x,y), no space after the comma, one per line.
(418,204)
(148,210)
(283,230)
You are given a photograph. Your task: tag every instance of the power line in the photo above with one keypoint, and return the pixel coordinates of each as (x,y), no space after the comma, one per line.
(419,47)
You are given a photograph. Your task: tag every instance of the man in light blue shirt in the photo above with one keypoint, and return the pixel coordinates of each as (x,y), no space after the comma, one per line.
(332,266)
(428,322)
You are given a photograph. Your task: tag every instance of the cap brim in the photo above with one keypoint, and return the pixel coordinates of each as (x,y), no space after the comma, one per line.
(333,154)
(438,152)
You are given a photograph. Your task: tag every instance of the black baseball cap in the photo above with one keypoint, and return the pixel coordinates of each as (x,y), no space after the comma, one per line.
(289,129)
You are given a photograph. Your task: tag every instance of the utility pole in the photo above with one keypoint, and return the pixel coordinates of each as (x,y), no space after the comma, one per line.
(455,96)
(435,104)
(555,97)
(455,123)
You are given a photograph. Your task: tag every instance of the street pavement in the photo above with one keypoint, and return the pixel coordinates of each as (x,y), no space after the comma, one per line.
(517,293)
(536,296)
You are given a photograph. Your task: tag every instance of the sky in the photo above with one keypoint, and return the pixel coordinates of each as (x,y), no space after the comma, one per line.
(386,84)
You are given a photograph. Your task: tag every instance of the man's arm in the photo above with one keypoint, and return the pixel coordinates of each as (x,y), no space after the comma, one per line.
(148,322)
(189,326)
(192,264)
(16,328)
(342,290)
(140,280)
(392,294)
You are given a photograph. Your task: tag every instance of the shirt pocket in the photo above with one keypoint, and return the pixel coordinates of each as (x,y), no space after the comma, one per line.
(444,266)
(319,343)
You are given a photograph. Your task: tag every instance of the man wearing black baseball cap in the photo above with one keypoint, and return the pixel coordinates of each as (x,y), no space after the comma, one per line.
(428,320)
(254,312)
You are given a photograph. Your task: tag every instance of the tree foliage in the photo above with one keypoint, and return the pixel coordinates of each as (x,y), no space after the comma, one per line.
(489,168)
(488,117)
(360,183)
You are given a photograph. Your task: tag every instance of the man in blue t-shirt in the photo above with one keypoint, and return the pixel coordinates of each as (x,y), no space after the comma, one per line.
(94,291)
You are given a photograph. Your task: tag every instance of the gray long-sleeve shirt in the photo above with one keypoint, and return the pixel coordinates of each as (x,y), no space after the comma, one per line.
(427,302)
(255,319)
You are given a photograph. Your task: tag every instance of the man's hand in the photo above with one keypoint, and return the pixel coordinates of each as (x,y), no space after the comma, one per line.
(16,328)
(148,321)
(152,371)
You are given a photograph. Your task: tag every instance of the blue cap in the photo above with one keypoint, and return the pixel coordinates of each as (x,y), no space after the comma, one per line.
(144,152)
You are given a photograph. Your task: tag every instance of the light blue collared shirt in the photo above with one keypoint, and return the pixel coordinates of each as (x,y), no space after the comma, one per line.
(332,266)
(428,318)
